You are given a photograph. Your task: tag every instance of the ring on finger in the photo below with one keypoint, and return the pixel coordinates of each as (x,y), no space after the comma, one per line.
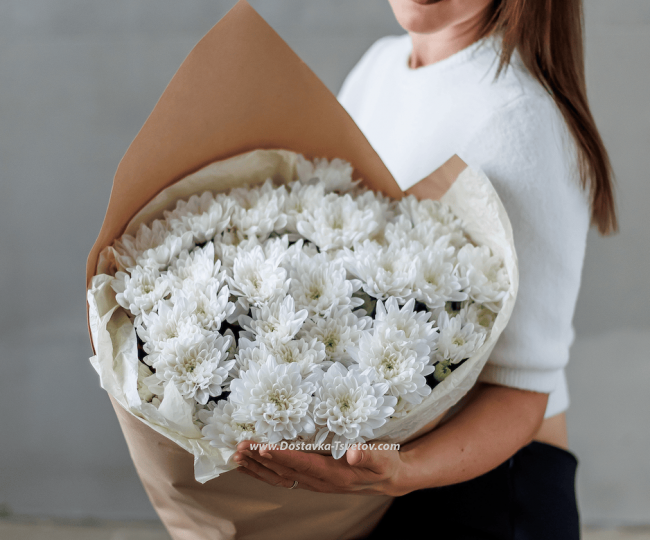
(295,484)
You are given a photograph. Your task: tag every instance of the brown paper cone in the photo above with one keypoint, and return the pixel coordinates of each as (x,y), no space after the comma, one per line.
(241,88)
(235,503)
(439,181)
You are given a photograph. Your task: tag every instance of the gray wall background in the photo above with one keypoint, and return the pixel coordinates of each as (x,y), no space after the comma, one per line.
(78,79)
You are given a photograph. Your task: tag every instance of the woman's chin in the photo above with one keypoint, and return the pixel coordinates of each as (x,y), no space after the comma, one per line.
(420,18)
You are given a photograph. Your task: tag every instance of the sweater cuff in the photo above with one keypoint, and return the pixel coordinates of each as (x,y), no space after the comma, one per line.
(543,381)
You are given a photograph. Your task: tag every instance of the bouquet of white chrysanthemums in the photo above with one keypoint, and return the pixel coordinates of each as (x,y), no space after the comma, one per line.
(316,311)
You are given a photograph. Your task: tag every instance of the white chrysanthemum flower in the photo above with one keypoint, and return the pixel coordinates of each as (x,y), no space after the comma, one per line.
(384,271)
(400,363)
(209,302)
(162,255)
(230,244)
(203,216)
(456,238)
(335,175)
(423,236)
(259,210)
(142,291)
(403,408)
(382,208)
(230,355)
(129,249)
(158,329)
(351,405)
(277,247)
(428,210)
(197,365)
(297,251)
(274,397)
(221,430)
(226,247)
(197,266)
(257,278)
(249,353)
(481,317)
(275,322)
(150,237)
(414,324)
(143,390)
(487,277)
(436,279)
(310,356)
(301,199)
(337,222)
(194,206)
(319,285)
(400,234)
(457,341)
(339,333)
(232,347)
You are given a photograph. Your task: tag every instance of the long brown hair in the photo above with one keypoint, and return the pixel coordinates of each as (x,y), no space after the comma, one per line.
(549,37)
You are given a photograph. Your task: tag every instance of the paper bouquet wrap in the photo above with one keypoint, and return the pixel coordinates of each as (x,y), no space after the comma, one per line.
(240,110)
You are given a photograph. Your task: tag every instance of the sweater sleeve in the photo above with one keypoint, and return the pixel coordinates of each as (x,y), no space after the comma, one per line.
(526,151)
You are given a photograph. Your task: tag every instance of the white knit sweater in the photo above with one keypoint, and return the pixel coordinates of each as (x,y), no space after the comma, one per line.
(510,128)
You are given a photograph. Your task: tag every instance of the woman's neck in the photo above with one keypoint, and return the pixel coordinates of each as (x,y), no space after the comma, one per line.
(436,46)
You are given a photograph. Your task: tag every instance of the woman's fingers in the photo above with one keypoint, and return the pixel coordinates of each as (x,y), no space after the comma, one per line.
(265,474)
(323,468)
(308,464)
(255,469)
(309,482)
(278,468)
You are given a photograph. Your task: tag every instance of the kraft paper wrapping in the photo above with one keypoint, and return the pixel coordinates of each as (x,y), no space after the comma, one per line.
(240,89)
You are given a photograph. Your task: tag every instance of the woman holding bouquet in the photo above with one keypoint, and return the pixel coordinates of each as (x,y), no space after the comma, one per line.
(501,83)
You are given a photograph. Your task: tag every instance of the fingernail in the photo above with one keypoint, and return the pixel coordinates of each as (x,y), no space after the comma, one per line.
(266,455)
(242,462)
(248,453)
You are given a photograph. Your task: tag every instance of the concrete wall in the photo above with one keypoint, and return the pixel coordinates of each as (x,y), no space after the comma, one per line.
(77,80)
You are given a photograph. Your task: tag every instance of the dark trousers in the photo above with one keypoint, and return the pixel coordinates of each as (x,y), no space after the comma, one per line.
(529,497)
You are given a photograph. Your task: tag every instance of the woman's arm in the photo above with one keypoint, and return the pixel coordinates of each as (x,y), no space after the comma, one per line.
(496,422)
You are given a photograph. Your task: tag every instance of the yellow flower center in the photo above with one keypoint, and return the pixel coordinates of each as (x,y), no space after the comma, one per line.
(345,404)
(279,399)
(245,427)
(315,292)
(331,341)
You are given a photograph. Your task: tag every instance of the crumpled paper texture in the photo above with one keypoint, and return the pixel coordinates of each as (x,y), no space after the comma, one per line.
(472,197)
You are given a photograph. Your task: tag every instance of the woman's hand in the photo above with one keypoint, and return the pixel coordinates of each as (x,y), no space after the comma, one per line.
(371,472)
(495,423)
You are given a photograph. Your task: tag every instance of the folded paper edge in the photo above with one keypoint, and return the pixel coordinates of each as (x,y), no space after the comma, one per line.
(436,184)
